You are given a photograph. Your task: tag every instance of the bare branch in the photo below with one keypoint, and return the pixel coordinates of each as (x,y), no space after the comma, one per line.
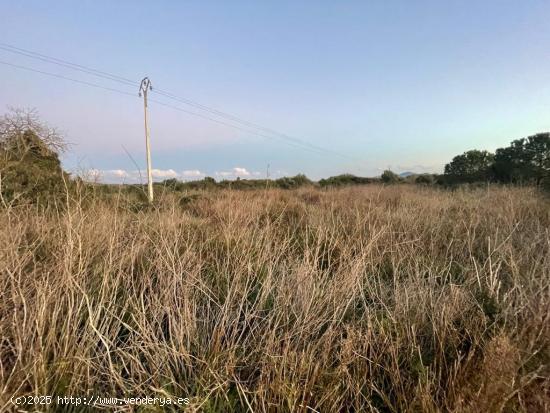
(20,120)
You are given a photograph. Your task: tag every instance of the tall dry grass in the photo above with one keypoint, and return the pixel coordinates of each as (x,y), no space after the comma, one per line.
(381,299)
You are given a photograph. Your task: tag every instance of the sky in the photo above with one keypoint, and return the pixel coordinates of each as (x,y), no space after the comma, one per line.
(375,84)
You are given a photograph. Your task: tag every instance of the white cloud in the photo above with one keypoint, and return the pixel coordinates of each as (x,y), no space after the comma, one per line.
(117,176)
(192,173)
(121,173)
(240,172)
(164,173)
(124,176)
(234,173)
(136,176)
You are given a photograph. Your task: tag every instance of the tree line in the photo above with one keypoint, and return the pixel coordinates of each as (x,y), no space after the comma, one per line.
(524,161)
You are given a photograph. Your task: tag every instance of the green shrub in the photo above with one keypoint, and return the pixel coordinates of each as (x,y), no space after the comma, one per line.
(425,179)
(346,179)
(30,170)
(389,177)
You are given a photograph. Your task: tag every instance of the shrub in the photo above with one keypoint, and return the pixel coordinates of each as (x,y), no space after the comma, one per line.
(30,171)
(346,179)
(292,182)
(389,177)
(425,179)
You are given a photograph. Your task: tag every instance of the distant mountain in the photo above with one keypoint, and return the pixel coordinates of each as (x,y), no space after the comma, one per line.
(405,174)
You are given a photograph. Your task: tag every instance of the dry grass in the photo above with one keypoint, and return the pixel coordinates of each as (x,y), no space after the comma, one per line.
(361,299)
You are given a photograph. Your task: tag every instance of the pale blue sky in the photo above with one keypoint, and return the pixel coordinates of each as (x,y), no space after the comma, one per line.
(406,84)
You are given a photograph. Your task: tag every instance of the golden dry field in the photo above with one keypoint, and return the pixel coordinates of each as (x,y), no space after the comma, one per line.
(366,299)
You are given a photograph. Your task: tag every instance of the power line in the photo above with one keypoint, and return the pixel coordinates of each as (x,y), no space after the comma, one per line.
(95,85)
(83,82)
(117,78)
(67,64)
(231,125)
(126,81)
(247,123)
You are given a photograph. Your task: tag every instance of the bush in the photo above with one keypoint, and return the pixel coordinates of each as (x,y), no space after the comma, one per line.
(30,170)
(293,182)
(389,177)
(425,179)
(346,179)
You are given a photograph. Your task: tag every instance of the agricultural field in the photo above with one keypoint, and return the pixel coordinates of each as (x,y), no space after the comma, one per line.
(380,298)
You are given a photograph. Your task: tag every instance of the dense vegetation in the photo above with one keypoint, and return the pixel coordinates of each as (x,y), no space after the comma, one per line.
(525,161)
(30,170)
(290,296)
(371,298)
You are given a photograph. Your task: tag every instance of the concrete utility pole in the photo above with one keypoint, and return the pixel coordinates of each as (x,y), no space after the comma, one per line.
(144,87)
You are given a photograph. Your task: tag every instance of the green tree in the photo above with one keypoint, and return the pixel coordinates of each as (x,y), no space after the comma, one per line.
(30,170)
(389,177)
(471,166)
(29,164)
(525,160)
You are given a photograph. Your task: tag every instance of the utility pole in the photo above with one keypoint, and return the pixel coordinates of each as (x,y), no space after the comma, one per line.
(144,87)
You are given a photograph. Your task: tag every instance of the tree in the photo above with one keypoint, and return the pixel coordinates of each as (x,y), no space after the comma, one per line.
(389,177)
(29,164)
(471,166)
(31,171)
(16,122)
(525,160)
